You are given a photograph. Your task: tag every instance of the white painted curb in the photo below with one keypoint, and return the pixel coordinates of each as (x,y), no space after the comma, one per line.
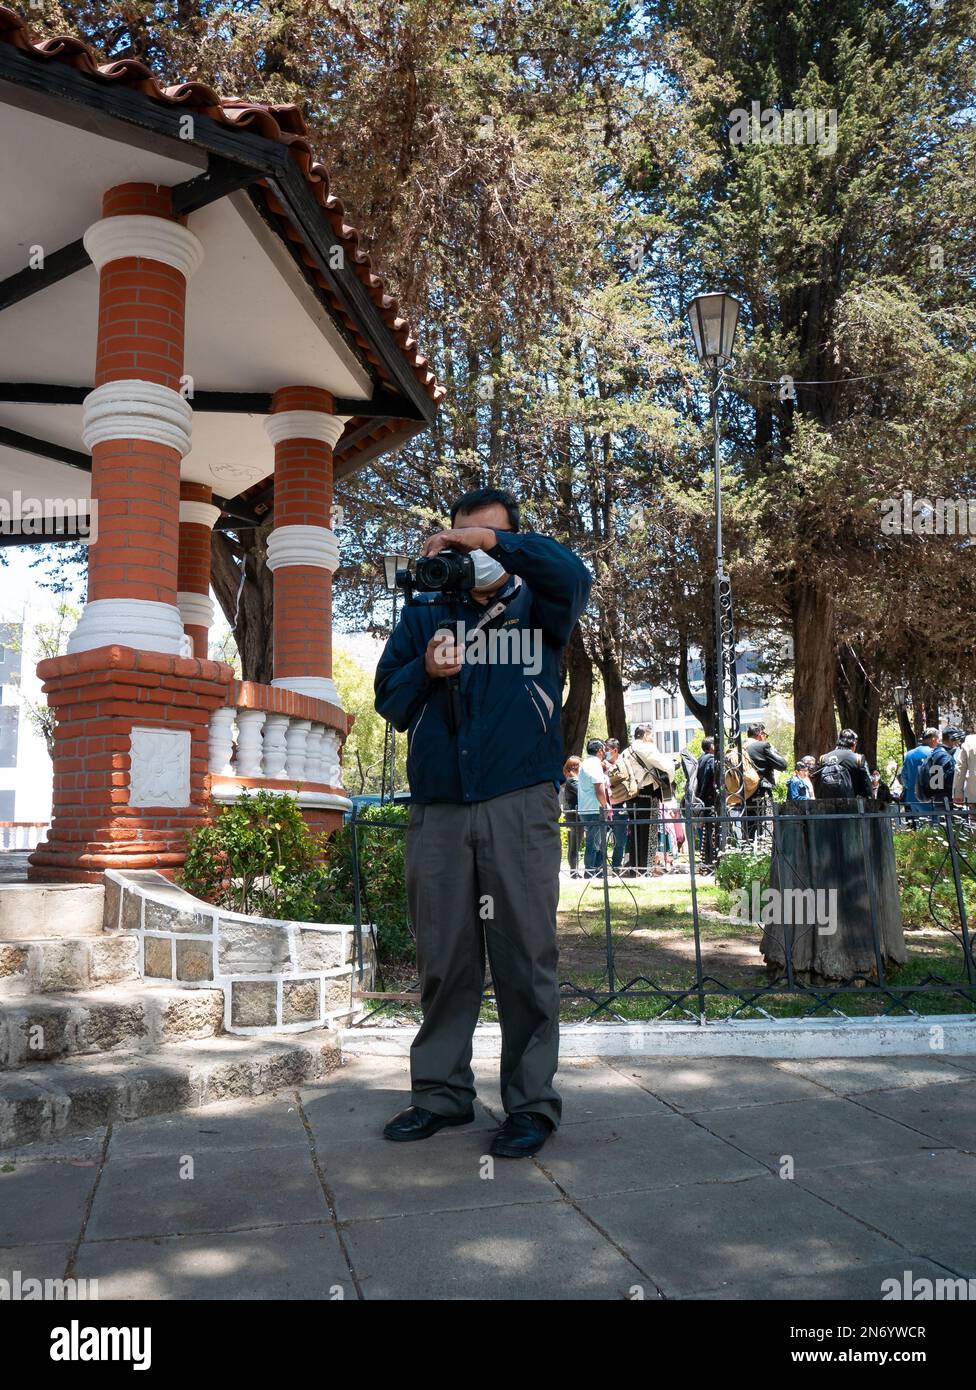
(945,1034)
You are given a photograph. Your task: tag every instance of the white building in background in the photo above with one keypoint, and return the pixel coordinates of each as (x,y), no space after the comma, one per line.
(26,776)
(673,722)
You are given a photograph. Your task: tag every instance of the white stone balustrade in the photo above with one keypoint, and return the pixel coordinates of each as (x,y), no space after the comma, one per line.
(268,745)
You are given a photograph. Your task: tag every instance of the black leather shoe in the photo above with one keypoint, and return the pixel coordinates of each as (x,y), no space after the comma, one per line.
(417,1123)
(522,1135)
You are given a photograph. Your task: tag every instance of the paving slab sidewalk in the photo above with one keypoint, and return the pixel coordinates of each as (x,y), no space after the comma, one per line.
(670,1178)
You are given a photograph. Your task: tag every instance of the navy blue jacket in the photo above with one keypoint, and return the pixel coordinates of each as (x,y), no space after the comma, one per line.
(510,733)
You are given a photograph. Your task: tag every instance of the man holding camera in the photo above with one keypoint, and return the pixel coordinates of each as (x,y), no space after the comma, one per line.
(484,760)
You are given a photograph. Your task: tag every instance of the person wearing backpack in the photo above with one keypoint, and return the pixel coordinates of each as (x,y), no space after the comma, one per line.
(569,802)
(933,789)
(706,789)
(619,815)
(656,785)
(767,762)
(911,767)
(843,773)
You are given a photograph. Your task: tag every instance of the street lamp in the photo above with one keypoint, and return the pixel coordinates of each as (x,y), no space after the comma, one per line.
(391,565)
(713,319)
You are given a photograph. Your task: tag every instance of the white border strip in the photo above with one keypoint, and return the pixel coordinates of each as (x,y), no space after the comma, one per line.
(788,1038)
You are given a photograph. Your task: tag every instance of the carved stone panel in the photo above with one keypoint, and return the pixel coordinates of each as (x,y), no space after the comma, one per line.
(160,772)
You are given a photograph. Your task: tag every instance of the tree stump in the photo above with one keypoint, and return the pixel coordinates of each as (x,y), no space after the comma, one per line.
(850,866)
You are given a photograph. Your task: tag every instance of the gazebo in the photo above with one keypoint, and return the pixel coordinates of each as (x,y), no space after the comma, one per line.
(193,340)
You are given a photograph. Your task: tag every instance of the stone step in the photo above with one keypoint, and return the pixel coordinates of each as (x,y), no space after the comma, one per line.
(29,911)
(42,1027)
(50,964)
(79,1095)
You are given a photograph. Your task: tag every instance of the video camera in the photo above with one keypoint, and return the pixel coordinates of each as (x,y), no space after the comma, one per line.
(450,572)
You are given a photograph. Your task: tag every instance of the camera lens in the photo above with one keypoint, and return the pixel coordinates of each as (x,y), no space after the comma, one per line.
(437,572)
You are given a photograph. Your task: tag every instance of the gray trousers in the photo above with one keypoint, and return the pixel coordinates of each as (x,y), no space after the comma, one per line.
(479,875)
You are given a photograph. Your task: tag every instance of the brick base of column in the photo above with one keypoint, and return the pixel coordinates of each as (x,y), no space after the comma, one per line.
(98,697)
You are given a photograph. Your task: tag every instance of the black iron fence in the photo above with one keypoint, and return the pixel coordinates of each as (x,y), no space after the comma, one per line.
(805,909)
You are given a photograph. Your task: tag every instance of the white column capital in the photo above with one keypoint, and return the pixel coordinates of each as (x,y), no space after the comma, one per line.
(150,238)
(303,545)
(305,424)
(134,409)
(199,514)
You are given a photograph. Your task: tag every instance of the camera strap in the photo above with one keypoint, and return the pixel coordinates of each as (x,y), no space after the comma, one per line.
(493,612)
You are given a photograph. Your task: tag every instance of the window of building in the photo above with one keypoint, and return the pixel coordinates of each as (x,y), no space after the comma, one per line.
(657,709)
(8,735)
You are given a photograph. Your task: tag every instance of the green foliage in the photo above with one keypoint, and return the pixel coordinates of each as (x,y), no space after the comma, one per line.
(925,881)
(381,835)
(257,856)
(740,868)
(362,760)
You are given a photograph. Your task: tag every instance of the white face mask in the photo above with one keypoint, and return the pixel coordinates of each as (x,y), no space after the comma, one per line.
(486,570)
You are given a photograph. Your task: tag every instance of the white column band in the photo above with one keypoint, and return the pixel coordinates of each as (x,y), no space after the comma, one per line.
(199,514)
(196,610)
(303,545)
(151,238)
(305,424)
(129,622)
(135,409)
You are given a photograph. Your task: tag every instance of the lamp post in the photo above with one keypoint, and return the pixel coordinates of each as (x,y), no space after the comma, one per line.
(391,564)
(713,319)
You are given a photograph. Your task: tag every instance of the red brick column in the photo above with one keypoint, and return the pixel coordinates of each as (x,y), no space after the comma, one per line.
(137,424)
(132,714)
(197,517)
(302,550)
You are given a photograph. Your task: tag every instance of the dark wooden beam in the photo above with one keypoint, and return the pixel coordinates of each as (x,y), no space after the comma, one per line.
(43,448)
(383,405)
(58,265)
(221,178)
(46,537)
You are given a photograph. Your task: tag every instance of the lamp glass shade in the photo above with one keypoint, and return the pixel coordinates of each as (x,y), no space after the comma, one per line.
(713,319)
(392,563)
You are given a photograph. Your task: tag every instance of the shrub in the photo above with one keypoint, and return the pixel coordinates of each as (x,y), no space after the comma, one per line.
(382,878)
(919,857)
(740,868)
(256,856)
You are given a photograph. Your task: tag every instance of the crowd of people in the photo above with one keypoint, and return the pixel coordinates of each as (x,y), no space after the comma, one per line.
(621,804)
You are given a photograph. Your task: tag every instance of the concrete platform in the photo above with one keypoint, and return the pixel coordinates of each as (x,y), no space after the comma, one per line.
(670,1178)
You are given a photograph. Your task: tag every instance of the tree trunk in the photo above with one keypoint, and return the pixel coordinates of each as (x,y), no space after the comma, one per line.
(858,700)
(814,663)
(613,689)
(252,618)
(704,712)
(576,708)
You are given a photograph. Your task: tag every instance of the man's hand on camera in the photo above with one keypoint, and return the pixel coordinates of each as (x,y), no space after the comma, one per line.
(443,656)
(461,538)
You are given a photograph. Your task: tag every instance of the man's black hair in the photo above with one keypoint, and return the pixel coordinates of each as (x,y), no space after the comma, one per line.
(486,497)
(611,743)
(846,738)
(595,745)
(641,729)
(754,730)
(708,745)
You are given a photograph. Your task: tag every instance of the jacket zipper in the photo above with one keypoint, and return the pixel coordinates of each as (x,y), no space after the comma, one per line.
(413,734)
(537,709)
